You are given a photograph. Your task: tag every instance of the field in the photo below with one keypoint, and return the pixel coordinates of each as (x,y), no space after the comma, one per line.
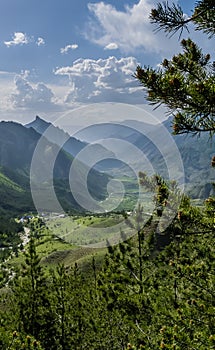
(85,230)
(77,238)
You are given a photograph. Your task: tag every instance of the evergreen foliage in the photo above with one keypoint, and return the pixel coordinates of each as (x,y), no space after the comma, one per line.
(185,83)
(142,298)
(155,290)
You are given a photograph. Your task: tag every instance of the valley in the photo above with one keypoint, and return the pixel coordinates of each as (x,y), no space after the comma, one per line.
(107,175)
(129,151)
(102,242)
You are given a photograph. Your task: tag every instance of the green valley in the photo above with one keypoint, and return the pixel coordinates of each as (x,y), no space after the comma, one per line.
(110,245)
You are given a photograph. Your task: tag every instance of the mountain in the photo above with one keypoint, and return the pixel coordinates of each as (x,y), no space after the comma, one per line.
(73,146)
(124,140)
(56,135)
(196,153)
(156,142)
(26,156)
(96,132)
(17,146)
(15,196)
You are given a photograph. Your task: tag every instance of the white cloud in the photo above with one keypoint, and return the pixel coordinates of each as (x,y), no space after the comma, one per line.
(68,47)
(20,98)
(111,46)
(18,38)
(28,95)
(129,29)
(102,80)
(25,73)
(40,41)
(6,88)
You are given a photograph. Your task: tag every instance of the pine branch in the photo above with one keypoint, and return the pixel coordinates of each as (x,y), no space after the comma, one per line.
(171,19)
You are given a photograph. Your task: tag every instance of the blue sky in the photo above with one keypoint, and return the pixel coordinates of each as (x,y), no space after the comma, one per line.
(56,55)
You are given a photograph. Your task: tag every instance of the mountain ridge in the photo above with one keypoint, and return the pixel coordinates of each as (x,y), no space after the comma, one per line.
(17,147)
(56,135)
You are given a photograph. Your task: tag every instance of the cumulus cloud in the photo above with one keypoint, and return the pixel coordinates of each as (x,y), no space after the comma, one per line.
(111,46)
(6,88)
(18,38)
(68,47)
(40,41)
(102,80)
(28,95)
(129,29)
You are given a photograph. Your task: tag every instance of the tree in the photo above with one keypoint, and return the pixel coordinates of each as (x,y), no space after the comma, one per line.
(33,300)
(17,341)
(172,19)
(185,84)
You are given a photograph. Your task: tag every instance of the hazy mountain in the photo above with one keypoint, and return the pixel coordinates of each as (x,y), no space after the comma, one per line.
(120,137)
(156,142)
(96,132)
(56,135)
(118,158)
(196,153)
(73,146)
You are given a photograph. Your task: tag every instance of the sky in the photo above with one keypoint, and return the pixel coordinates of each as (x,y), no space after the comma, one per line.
(60,55)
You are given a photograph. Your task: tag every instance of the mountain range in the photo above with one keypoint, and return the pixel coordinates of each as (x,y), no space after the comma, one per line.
(156,143)
(163,150)
(115,155)
(56,135)
(17,146)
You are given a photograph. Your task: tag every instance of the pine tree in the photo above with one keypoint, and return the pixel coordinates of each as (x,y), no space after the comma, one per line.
(185,83)
(33,300)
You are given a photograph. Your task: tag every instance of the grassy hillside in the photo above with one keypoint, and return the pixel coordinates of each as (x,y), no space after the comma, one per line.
(14,198)
(108,296)
(54,250)
(17,147)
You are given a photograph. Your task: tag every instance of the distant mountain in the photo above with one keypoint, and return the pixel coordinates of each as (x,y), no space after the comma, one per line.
(73,145)
(17,146)
(129,133)
(56,135)
(195,152)
(119,159)
(96,132)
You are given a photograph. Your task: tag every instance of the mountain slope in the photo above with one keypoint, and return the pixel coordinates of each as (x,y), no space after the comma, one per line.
(156,143)
(56,135)
(14,197)
(73,145)
(195,153)
(17,146)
